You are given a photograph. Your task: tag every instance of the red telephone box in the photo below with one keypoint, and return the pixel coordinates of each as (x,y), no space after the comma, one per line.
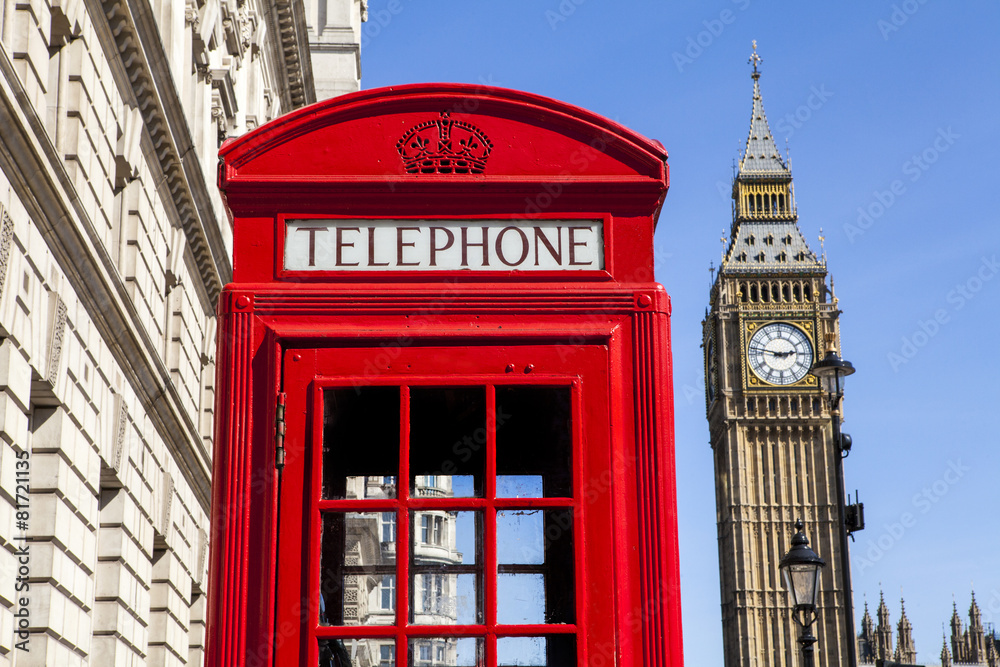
(444,427)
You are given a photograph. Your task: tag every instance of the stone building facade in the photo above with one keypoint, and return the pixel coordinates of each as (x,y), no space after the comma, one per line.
(114,245)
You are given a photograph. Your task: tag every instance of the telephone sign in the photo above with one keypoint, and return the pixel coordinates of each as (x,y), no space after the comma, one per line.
(444,417)
(440,245)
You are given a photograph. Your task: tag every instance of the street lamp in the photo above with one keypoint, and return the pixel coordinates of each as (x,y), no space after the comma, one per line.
(801,568)
(831,373)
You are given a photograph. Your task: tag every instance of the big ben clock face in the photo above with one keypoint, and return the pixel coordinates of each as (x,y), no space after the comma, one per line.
(780,353)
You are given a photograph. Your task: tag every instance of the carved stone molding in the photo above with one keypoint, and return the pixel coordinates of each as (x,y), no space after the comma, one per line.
(163,525)
(199,577)
(121,428)
(58,333)
(187,191)
(6,236)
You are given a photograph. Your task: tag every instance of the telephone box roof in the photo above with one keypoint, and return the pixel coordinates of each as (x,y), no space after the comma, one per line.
(441,134)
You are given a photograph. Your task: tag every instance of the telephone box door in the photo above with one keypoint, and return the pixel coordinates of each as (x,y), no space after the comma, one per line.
(435,502)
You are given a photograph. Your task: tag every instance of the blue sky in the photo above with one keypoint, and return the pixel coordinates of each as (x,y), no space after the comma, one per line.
(891,114)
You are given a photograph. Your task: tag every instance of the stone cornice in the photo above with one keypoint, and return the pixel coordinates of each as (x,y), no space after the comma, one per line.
(139,44)
(287,20)
(38,176)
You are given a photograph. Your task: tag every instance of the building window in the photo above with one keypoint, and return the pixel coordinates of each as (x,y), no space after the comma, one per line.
(425,652)
(386,655)
(432,530)
(387,593)
(388,521)
(433,594)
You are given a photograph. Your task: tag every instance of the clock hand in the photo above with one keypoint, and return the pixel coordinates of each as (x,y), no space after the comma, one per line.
(779,355)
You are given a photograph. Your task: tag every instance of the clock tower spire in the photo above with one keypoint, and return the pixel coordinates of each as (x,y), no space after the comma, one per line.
(771,317)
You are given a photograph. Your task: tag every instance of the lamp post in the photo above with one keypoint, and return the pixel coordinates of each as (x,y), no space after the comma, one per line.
(831,373)
(801,567)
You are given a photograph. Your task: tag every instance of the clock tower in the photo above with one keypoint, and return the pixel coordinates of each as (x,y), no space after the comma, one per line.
(771,317)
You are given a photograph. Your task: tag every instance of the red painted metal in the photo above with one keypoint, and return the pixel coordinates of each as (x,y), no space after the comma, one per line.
(602,332)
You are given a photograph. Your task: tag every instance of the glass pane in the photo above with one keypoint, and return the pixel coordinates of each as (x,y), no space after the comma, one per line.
(360,442)
(520,599)
(553,651)
(450,651)
(535,565)
(447,441)
(534,440)
(445,568)
(357,579)
(520,536)
(357,652)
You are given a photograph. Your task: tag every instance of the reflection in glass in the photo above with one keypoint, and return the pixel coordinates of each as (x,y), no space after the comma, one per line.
(535,566)
(357,652)
(357,580)
(553,651)
(534,440)
(445,568)
(360,442)
(446,651)
(447,441)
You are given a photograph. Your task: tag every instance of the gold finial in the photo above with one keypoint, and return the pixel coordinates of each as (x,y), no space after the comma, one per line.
(755,60)
(822,243)
(831,346)
(723,239)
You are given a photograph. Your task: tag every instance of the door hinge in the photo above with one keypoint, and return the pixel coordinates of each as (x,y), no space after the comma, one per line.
(279,432)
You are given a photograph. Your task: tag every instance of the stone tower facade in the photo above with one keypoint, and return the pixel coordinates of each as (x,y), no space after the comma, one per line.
(771,317)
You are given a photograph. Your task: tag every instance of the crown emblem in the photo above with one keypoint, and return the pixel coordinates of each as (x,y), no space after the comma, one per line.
(444,146)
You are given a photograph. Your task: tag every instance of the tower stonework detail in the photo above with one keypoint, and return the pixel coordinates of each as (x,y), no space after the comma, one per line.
(771,316)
